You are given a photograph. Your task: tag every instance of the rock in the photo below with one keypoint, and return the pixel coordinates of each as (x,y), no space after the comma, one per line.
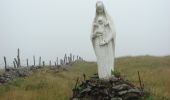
(2,79)
(116,98)
(121,87)
(134,91)
(122,92)
(131,96)
(85,90)
(75,99)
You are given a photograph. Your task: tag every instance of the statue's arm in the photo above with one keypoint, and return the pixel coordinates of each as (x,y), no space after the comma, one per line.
(110,36)
(93,35)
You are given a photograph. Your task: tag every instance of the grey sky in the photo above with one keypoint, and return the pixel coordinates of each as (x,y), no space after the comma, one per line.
(50,28)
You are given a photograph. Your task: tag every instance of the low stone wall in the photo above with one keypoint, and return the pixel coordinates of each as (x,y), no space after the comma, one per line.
(13,73)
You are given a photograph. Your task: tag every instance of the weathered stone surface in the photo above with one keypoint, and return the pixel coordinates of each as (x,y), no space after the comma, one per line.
(103,40)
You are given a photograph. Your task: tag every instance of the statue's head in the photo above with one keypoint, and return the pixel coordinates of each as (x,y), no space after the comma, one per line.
(99,7)
(100,20)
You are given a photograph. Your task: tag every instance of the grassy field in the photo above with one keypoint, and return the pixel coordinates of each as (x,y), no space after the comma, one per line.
(48,85)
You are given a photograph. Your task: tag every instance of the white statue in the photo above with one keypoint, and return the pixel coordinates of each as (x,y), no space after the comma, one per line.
(103,40)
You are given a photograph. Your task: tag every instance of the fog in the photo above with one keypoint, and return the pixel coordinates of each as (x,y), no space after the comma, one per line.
(51,28)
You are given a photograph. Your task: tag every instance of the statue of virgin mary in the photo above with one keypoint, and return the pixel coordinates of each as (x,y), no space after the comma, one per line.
(103,40)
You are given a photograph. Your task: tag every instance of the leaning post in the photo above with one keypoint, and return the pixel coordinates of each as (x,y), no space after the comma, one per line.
(14,64)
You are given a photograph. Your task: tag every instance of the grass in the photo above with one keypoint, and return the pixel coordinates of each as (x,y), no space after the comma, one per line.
(49,85)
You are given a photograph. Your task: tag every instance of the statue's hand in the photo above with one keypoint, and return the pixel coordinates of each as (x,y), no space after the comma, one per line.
(104,42)
(94,36)
(107,23)
(95,25)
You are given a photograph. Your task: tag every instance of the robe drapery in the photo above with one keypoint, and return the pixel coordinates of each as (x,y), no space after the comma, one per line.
(104,53)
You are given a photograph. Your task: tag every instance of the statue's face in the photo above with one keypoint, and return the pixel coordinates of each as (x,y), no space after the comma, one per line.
(99,7)
(100,20)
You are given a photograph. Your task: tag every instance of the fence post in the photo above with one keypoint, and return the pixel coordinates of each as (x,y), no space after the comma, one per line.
(65,59)
(40,61)
(14,64)
(55,64)
(77,57)
(73,57)
(57,61)
(27,63)
(61,62)
(34,60)
(50,63)
(43,63)
(18,57)
(70,57)
(5,63)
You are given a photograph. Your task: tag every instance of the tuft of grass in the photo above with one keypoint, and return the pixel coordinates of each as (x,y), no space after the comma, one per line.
(116,73)
(48,85)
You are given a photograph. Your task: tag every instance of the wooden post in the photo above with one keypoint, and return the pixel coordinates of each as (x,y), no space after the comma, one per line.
(5,63)
(18,59)
(141,85)
(27,63)
(65,59)
(55,64)
(57,61)
(50,63)
(70,57)
(43,63)
(34,60)
(61,62)
(40,61)
(73,57)
(14,64)
(77,57)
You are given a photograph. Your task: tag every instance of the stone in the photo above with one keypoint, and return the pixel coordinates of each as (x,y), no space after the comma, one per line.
(134,90)
(103,41)
(116,98)
(121,87)
(122,92)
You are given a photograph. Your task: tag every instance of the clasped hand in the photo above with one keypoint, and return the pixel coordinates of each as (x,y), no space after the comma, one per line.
(103,42)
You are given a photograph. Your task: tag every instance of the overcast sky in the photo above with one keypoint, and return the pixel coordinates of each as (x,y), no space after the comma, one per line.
(50,28)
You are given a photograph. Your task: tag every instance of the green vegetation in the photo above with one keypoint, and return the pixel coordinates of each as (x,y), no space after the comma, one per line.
(46,84)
